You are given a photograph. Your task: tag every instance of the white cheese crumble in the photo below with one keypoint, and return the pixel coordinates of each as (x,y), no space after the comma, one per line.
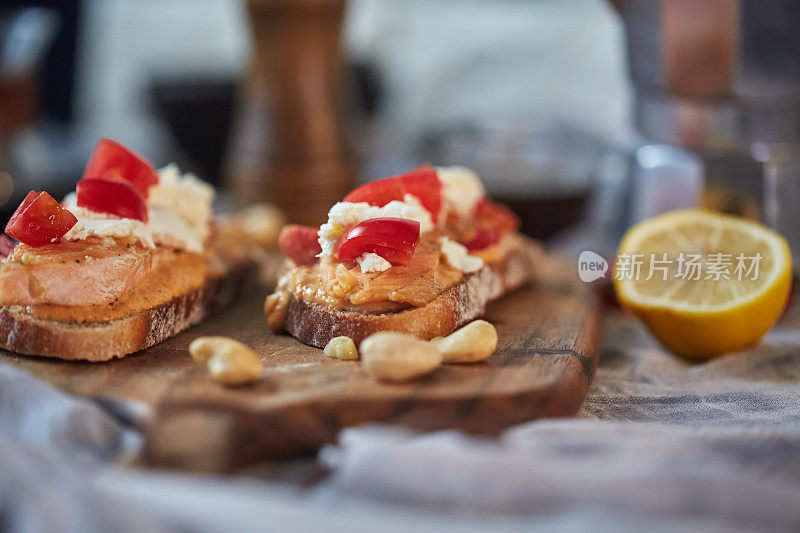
(457,255)
(371,262)
(179,215)
(170,229)
(461,189)
(186,195)
(345,214)
(91,225)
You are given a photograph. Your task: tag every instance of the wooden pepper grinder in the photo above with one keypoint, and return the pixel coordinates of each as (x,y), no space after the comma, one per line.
(289,147)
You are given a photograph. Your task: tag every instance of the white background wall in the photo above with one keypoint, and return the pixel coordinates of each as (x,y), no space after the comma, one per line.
(126,43)
(442,60)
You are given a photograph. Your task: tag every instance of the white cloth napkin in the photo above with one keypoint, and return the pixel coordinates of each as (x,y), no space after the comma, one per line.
(658,441)
(659,445)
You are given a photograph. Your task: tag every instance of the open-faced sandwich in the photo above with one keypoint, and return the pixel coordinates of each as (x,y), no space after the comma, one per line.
(419,253)
(126,261)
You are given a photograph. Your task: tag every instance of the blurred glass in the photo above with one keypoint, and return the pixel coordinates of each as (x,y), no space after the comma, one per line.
(547,172)
(664,178)
(25,35)
(781,198)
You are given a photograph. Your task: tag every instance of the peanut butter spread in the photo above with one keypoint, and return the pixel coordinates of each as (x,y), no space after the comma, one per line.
(342,285)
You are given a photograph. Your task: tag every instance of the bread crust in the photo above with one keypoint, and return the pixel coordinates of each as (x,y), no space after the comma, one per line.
(102,341)
(316,324)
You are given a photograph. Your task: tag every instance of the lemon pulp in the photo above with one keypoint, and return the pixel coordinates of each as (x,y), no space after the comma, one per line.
(702,282)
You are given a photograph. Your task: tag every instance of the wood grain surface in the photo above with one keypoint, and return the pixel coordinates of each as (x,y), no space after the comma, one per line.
(545,360)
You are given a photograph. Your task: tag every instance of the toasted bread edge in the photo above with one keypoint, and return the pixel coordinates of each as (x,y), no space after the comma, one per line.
(26,334)
(316,324)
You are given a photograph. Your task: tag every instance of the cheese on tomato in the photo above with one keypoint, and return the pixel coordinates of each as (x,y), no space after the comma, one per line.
(179,209)
(462,189)
(343,215)
(371,262)
(186,195)
(457,255)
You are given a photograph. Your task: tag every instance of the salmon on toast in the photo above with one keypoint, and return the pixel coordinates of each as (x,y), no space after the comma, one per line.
(127,260)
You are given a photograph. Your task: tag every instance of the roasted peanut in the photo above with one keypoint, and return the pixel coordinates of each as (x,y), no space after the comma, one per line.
(261,223)
(341,348)
(202,348)
(474,342)
(228,361)
(396,357)
(275,308)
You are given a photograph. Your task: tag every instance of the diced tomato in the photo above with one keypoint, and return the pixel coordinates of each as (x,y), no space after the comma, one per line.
(27,201)
(6,246)
(300,244)
(394,239)
(113,196)
(112,160)
(497,215)
(422,183)
(483,238)
(39,220)
(492,221)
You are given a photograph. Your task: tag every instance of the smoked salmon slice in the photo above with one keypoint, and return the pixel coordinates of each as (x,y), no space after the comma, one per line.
(72,274)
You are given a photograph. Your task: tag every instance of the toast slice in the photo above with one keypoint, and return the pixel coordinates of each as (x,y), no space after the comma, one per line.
(132,257)
(24,333)
(419,253)
(210,283)
(316,324)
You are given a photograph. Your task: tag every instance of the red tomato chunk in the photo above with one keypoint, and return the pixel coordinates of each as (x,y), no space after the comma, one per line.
(112,196)
(300,244)
(422,183)
(492,222)
(39,220)
(394,239)
(112,160)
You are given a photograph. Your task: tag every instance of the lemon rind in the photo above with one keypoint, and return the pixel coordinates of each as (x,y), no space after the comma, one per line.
(641,231)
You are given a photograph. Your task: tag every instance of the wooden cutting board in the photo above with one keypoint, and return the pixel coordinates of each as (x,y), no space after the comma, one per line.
(544,363)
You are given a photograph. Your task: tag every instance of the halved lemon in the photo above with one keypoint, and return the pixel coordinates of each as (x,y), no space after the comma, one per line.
(702,282)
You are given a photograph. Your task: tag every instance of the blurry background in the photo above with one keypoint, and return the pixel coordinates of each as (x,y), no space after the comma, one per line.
(516,88)
(296,101)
